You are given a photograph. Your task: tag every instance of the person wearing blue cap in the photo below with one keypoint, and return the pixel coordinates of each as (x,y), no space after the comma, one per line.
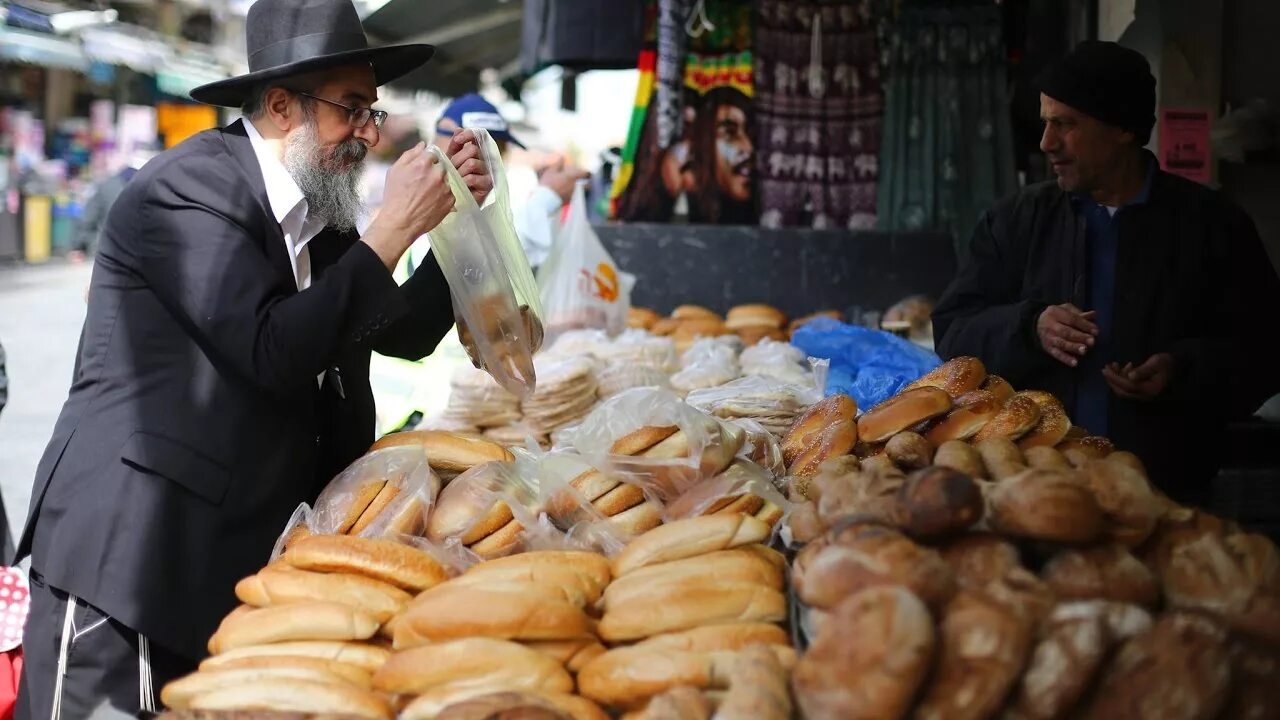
(1139,298)
(535,218)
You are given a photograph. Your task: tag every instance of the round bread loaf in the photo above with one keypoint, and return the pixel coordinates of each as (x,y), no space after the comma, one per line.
(1178,670)
(861,556)
(474,660)
(1126,499)
(901,412)
(1052,426)
(1104,572)
(1045,505)
(960,456)
(875,677)
(983,647)
(1045,457)
(1072,647)
(1255,675)
(694,312)
(1001,457)
(909,451)
(937,501)
(758,315)
(979,559)
(956,376)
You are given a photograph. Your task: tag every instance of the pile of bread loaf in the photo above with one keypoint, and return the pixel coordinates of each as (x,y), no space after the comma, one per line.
(357,627)
(994,564)
(752,323)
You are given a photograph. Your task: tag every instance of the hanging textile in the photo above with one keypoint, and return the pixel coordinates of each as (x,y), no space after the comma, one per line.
(819,109)
(708,156)
(948,151)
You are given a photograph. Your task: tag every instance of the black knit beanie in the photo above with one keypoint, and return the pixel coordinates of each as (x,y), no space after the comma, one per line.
(1106,81)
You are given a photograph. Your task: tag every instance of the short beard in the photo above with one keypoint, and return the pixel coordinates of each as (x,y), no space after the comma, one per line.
(328,177)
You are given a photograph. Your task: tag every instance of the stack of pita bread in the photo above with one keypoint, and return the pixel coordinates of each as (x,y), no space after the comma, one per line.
(478,401)
(566,392)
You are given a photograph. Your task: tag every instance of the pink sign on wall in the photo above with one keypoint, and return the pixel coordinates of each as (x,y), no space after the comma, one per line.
(1184,143)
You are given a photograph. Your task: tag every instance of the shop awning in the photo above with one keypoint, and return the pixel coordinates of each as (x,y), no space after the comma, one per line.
(469,35)
(180,75)
(40,49)
(125,46)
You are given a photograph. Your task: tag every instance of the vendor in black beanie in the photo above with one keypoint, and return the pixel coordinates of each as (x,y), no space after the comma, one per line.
(1131,294)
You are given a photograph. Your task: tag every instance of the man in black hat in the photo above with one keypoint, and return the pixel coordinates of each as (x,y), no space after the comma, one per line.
(1138,298)
(222,375)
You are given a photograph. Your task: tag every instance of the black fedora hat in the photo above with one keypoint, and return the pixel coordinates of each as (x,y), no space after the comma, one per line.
(290,37)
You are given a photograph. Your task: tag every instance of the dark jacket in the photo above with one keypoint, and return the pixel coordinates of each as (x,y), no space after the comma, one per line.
(194,424)
(1192,279)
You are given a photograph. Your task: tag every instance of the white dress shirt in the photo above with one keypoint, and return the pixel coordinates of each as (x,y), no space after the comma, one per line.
(289,207)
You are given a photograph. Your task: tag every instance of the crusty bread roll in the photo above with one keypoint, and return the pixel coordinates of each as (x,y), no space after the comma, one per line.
(1045,505)
(1103,572)
(909,450)
(641,318)
(956,376)
(736,565)
(682,606)
(1255,675)
(960,456)
(838,408)
(589,570)
(458,611)
(475,660)
(857,557)
(1081,450)
(689,537)
(447,451)
(1001,457)
(1067,657)
(937,501)
(627,677)
(979,559)
(901,412)
(983,647)
(744,316)
(296,696)
(1126,499)
(1178,670)
(298,621)
(969,414)
(1045,457)
(465,701)
(717,638)
(878,675)
(353,674)
(1234,576)
(1018,417)
(365,656)
(179,693)
(272,586)
(384,560)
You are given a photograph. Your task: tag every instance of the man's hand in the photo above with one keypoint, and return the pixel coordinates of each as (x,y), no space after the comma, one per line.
(1066,332)
(561,179)
(417,199)
(1144,382)
(464,153)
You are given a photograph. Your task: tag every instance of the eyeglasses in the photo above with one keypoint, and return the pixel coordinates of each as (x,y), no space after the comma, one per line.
(357,117)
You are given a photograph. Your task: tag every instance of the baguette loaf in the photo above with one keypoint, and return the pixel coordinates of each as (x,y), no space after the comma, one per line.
(503,541)
(447,451)
(179,693)
(481,702)
(1103,572)
(299,621)
(627,677)
(686,538)
(474,660)
(384,560)
(298,696)
(639,519)
(460,611)
(715,638)
(737,565)
(360,655)
(684,608)
(572,654)
(280,587)
(1045,505)
(358,676)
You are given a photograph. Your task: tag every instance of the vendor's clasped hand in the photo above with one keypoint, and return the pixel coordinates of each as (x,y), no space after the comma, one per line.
(464,153)
(1144,382)
(1066,332)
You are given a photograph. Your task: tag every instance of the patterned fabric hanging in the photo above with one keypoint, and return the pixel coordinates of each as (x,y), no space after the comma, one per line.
(819,112)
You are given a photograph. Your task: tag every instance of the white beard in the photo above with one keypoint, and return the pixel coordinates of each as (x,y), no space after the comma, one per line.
(329,180)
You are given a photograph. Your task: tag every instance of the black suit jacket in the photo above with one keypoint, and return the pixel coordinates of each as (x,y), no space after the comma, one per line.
(194,425)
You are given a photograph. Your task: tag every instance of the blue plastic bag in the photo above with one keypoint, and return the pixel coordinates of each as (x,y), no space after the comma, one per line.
(869,365)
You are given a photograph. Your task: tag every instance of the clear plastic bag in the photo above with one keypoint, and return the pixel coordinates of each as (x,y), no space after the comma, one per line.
(707,363)
(741,478)
(762,448)
(346,498)
(494,294)
(407,513)
(580,283)
(772,403)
